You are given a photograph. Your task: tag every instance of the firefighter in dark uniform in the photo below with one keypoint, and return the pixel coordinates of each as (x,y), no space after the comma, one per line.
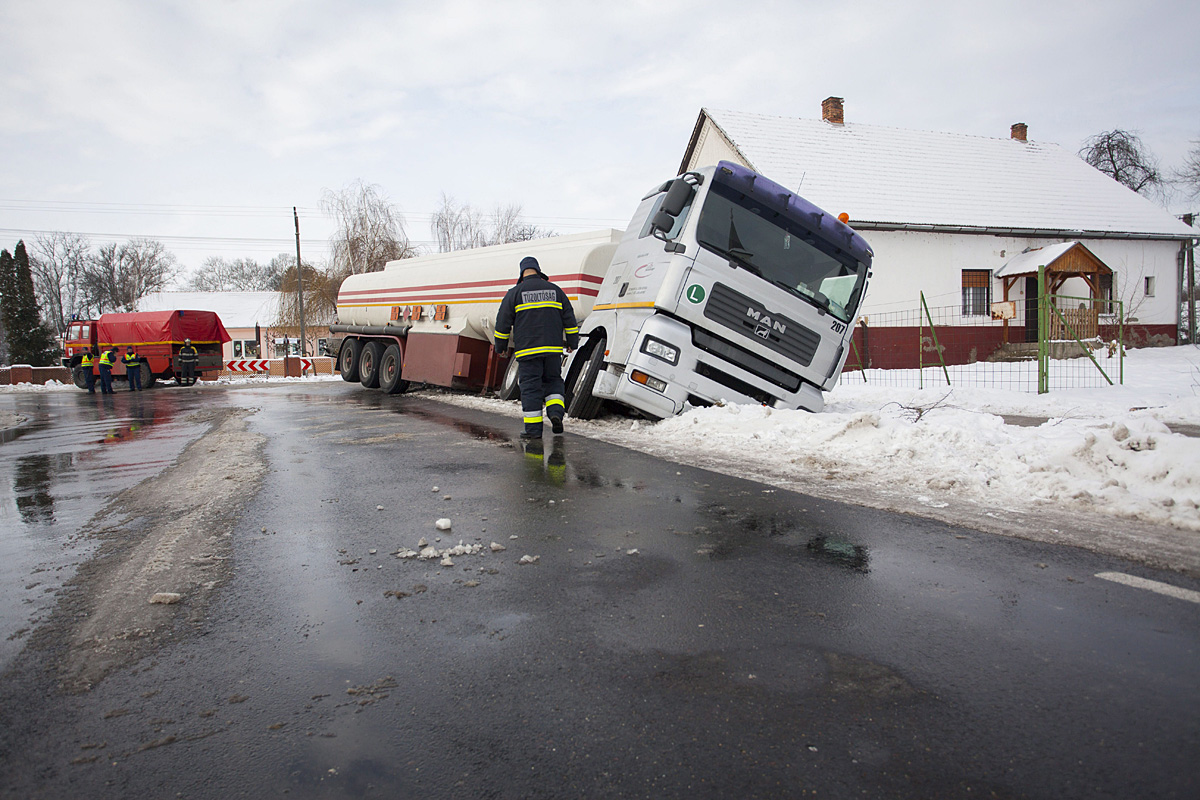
(188,356)
(89,375)
(535,317)
(133,369)
(107,359)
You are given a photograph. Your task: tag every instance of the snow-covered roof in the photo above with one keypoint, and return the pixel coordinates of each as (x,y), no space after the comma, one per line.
(1029,261)
(892,176)
(236,309)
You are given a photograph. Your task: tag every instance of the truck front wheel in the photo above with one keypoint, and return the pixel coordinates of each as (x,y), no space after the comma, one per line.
(509,388)
(583,404)
(390,379)
(368,365)
(79,376)
(348,359)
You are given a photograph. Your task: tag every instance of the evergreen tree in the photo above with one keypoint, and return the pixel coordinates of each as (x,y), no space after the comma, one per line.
(7,301)
(29,339)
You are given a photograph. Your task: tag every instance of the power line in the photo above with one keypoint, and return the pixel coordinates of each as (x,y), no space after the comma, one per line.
(169,209)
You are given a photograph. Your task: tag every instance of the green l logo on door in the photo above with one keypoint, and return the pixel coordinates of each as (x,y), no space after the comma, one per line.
(695,293)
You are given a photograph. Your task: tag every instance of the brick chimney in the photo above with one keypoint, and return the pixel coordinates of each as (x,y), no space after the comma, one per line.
(1019,130)
(831,110)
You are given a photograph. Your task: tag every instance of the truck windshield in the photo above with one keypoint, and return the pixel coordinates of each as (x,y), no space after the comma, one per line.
(779,250)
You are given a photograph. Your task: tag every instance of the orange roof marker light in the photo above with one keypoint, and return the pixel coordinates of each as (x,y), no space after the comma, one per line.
(844,218)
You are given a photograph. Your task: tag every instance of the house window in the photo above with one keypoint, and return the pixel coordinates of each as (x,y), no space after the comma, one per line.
(1148,286)
(976,292)
(237,349)
(250,348)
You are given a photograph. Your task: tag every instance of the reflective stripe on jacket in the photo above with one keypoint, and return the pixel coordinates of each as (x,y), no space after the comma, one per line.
(130,359)
(106,359)
(188,353)
(86,361)
(536,316)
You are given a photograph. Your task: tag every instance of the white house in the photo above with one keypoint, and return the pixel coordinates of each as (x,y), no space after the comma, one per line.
(946,212)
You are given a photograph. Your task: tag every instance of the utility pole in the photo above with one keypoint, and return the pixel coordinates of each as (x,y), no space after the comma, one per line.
(300,286)
(1191,282)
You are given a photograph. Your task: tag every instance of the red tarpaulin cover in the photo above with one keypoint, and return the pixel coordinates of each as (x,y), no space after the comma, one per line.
(161,327)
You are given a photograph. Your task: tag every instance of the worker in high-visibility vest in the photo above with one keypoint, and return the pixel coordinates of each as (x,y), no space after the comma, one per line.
(133,369)
(107,359)
(188,357)
(89,374)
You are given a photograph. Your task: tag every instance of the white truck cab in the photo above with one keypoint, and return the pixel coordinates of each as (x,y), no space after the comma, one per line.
(725,287)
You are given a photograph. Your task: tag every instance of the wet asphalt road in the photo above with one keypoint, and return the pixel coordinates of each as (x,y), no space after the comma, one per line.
(758,643)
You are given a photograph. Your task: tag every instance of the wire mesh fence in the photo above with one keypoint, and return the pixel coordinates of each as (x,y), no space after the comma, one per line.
(1070,343)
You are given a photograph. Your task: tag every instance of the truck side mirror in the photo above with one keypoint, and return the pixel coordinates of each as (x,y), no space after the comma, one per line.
(678,196)
(662,221)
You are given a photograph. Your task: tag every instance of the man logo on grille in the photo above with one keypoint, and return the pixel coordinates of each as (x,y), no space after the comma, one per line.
(765,323)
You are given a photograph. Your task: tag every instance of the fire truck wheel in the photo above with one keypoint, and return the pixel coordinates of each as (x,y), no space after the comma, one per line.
(79,376)
(583,404)
(390,365)
(509,389)
(368,365)
(147,376)
(348,359)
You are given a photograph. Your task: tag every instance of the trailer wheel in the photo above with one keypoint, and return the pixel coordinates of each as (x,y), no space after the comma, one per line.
(509,389)
(79,376)
(368,365)
(390,366)
(583,404)
(348,359)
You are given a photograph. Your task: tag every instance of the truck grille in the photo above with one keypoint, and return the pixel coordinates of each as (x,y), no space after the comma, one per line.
(746,360)
(736,311)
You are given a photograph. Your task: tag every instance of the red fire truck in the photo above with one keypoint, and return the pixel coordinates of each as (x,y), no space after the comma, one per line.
(156,336)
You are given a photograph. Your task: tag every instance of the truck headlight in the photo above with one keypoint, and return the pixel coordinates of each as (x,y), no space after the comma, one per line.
(660,350)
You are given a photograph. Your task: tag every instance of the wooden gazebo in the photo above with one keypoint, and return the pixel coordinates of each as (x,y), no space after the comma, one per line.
(1062,261)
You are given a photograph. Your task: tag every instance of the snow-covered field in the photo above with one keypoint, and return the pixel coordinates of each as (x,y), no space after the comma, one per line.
(1103,470)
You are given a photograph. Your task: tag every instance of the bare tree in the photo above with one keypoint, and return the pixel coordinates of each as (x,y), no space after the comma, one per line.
(238,275)
(1188,176)
(1122,156)
(369,233)
(457,227)
(462,227)
(370,230)
(320,296)
(59,261)
(117,276)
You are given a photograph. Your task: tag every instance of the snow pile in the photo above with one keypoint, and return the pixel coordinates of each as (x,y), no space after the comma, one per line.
(1130,467)
(1100,450)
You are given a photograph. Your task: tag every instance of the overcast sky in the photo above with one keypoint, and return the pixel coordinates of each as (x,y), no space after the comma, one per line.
(203,123)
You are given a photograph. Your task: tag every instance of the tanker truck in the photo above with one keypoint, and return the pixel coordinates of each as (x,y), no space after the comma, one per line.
(725,287)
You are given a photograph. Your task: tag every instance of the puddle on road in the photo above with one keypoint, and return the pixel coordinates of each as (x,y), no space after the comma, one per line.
(840,552)
(58,470)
